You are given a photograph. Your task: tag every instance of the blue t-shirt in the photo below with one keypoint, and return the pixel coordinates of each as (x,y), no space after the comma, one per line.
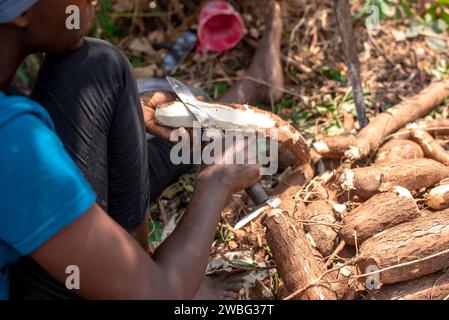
(41,188)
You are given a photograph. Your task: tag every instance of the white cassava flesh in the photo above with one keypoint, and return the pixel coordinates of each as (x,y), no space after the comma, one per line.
(438,197)
(237,117)
(226,117)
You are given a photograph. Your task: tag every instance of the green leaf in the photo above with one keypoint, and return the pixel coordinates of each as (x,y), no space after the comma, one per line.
(334,130)
(334,74)
(219,89)
(408,11)
(156,228)
(386,8)
(284,104)
(243,263)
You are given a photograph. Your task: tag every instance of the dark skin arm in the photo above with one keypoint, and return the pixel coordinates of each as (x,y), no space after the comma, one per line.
(113,266)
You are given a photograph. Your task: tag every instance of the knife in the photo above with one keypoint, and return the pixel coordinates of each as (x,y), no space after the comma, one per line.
(256,193)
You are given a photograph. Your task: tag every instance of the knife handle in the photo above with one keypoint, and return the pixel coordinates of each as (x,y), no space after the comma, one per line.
(257,194)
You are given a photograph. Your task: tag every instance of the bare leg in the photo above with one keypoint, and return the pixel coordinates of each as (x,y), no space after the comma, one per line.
(266,66)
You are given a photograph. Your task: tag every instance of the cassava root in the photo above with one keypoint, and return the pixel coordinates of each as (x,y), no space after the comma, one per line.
(388,122)
(416,241)
(380,212)
(410,174)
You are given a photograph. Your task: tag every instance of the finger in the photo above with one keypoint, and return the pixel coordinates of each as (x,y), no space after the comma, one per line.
(157,98)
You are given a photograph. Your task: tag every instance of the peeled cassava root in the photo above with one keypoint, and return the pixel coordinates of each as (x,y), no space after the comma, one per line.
(410,174)
(417,248)
(431,287)
(238,117)
(388,122)
(399,149)
(380,212)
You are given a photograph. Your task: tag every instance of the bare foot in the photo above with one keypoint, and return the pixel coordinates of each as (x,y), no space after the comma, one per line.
(266,66)
(221,287)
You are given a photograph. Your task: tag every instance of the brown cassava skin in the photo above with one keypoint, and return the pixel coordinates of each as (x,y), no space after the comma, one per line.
(388,122)
(410,174)
(409,241)
(430,287)
(324,236)
(432,149)
(380,212)
(335,146)
(342,284)
(294,257)
(399,149)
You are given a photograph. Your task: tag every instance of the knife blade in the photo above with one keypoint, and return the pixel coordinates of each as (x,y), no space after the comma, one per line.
(270,203)
(190,101)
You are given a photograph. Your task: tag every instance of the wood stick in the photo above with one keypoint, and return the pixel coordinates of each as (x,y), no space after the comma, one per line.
(344,20)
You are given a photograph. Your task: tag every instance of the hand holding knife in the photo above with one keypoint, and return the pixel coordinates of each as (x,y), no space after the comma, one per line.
(255,192)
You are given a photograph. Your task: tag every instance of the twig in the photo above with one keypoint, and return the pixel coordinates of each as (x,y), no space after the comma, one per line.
(337,250)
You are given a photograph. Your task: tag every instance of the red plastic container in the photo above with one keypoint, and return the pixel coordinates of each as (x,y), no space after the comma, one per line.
(220,27)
